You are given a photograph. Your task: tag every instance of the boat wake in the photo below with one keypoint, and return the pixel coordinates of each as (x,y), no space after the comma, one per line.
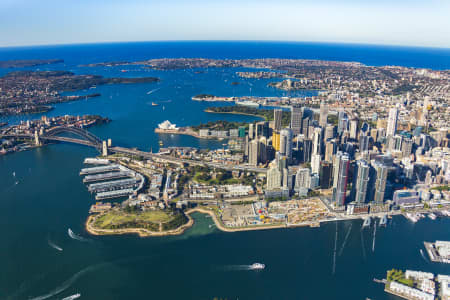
(363,247)
(345,240)
(374,236)
(252,267)
(76,236)
(423,256)
(67,283)
(53,245)
(152,91)
(335,248)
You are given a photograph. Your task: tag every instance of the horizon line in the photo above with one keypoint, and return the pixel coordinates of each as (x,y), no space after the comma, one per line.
(219,40)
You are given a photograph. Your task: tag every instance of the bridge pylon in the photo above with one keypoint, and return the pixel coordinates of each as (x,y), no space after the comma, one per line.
(37,139)
(104,148)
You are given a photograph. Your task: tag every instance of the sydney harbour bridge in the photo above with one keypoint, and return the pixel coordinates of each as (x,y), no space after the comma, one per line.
(84,137)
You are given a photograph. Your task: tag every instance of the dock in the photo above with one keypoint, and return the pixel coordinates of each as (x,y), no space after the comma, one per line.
(112,185)
(102,169)
(107,176)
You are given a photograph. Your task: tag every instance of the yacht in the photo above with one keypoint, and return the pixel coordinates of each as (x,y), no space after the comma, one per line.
(257,266)
(366,222)
(383,220)
(432,216)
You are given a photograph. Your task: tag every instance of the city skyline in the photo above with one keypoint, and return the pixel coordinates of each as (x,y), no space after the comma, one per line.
(405,23)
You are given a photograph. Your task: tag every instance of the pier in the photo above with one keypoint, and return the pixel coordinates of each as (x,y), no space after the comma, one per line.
(107,176)
(102,169)
(112,185)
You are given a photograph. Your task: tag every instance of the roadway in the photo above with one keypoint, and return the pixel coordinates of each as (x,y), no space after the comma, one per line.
(175,160)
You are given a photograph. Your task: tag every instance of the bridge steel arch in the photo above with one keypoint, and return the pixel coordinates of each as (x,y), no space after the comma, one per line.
(96,142)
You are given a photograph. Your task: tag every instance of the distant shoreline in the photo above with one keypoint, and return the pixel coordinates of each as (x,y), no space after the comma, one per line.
(233,113)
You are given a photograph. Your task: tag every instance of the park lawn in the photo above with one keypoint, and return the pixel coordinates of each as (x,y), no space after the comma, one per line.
(115,217)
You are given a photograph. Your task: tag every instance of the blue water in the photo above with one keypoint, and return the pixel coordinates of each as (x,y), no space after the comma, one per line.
(434,58)
(46,196)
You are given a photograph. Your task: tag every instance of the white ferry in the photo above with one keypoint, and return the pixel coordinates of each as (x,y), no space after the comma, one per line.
(257,266)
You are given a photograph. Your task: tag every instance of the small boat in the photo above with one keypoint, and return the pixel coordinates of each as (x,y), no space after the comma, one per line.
(161,143)
(383,221)
(14,174)
(75,296)
(257,266)
(412,217)
(367,222)
(154,104)
(432,216)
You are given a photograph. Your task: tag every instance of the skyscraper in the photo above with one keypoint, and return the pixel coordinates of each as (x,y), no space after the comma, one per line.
(253,153)
(317,141)
(342,121)
(341,165)
(274,177)
(296,118)
(353,129)
(276,140)
(302,181)
(323,115)
(315,163)
(381,171)
(361,180)
(277,116)
(329,132)
(330,150)
(392,121)
(286,142)
(251,131)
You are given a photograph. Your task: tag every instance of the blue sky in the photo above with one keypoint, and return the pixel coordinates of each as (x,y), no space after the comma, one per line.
(395,22)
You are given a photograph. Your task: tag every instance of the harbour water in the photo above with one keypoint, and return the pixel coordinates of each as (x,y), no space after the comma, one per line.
(46,197)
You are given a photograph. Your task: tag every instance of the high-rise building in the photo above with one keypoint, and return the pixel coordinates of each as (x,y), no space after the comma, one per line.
(330,150)
(276,140)
(340,168)
(262,148)
(329,132)
(325,175)
(277,117)
(353,129)
(315,163)
(361,181)
(381,171)
(286,142)
(317,141)
(374,134)
(302,181)
(274,177)
(262,129)
(241,131)
(251,131)
(253,152)
(392,121)
(296,118)
(363,143)
(323,115)
(407,145)
(342,122)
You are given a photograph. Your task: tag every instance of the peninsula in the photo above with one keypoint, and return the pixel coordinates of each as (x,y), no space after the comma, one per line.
(35,91)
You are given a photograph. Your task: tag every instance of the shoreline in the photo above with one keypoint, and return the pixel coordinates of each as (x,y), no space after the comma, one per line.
(233,113)
(218,223)
(188,131)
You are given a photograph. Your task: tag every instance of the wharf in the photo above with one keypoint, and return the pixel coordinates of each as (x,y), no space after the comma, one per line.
(107,176)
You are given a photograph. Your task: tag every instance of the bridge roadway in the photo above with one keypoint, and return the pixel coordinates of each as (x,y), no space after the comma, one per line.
(175,160)
(147,155)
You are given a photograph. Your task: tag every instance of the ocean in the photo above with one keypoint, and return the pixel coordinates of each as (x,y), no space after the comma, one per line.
(42,196)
